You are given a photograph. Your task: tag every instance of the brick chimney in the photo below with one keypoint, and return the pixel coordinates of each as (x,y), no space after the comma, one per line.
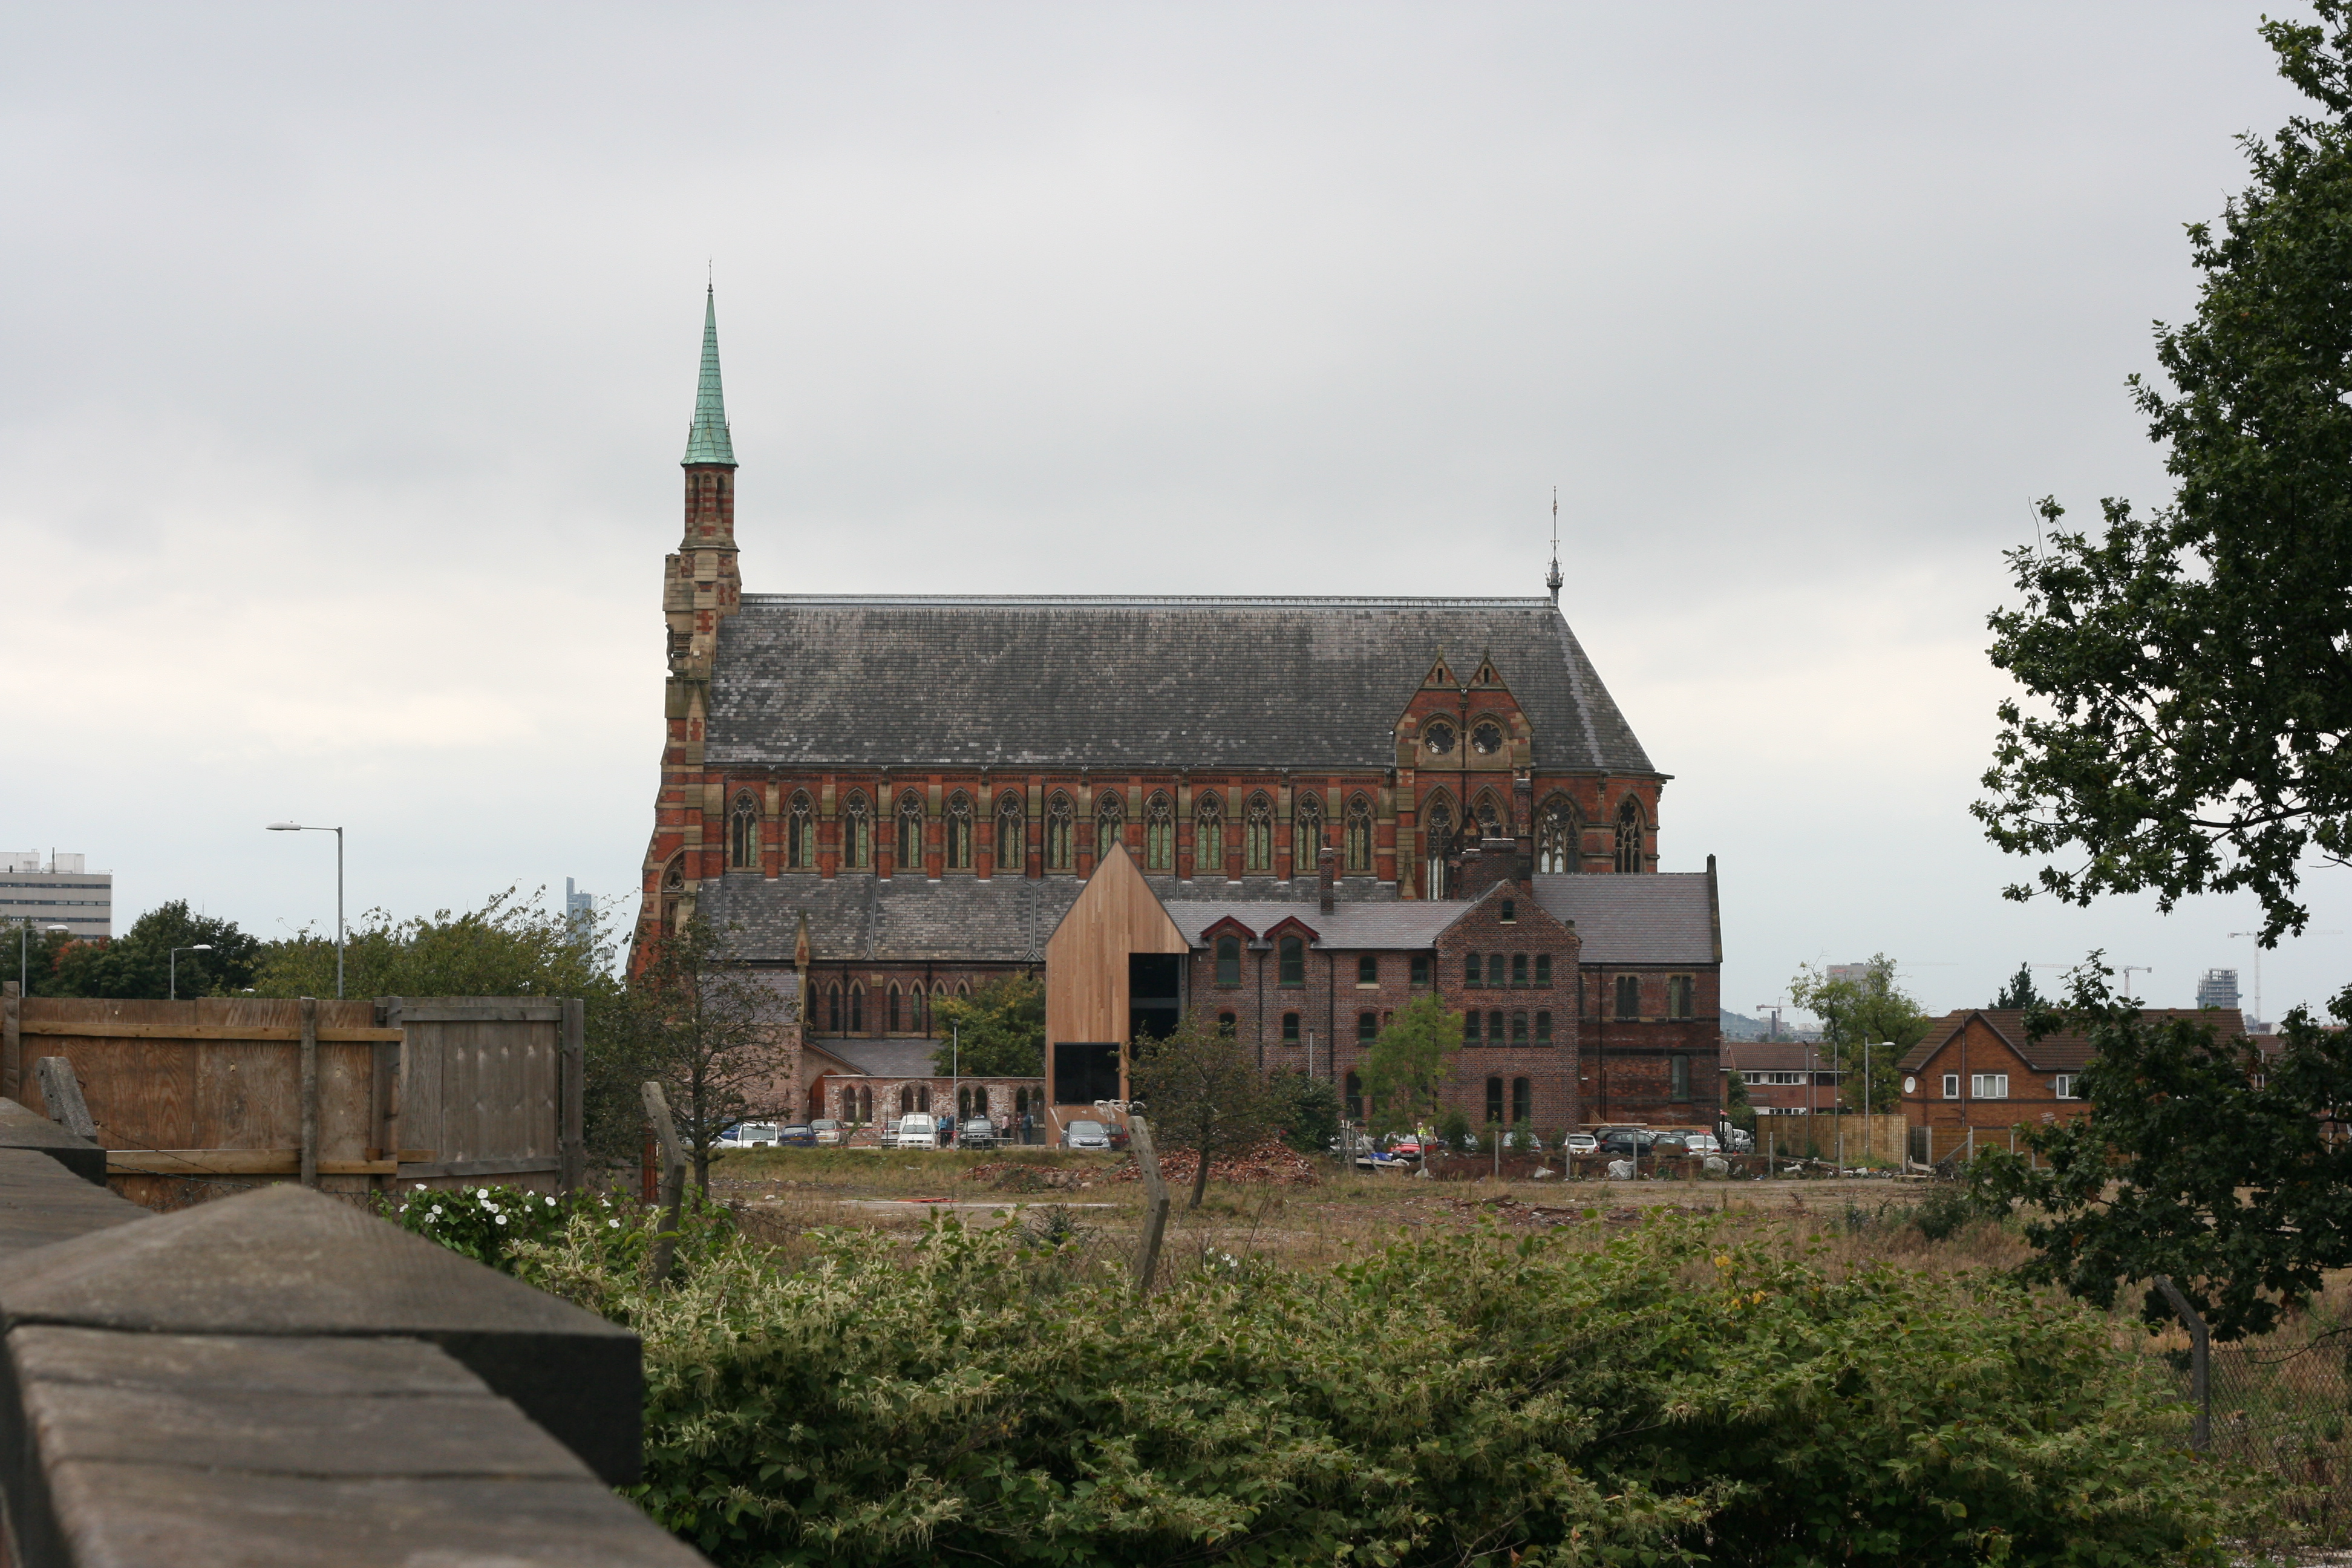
(1327,865)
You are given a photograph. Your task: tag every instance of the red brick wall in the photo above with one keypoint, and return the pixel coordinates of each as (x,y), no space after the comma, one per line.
(1978,1048)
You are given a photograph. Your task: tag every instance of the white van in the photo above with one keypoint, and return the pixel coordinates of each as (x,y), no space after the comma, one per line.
(916,1130)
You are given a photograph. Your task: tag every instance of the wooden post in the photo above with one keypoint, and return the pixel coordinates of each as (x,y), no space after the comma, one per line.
(309,1091)
(61,1092)
(2200,1364)
(12,1045)
(673,1188)
(571,1141)
(1155,1204)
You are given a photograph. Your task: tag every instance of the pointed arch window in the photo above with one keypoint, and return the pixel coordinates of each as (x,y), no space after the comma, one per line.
(744,833)
(833,1008)
(1160,834)
(1629,835)
(1490,817)
(857,1009)
(800,833)
(1556,837)
(1306,833)
(894,1010)
(857,832)
(1257,835)
(1208,836)
(958,832)
(908,846)
(1359,837)
(1436,838)
(1061,834)
(1011,834)
(1110,822)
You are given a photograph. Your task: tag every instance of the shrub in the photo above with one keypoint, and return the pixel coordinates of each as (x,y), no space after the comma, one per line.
(1666,1399)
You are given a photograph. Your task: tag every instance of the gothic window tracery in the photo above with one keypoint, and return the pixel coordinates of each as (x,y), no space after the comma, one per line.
(1061,834)
(1438,738)
(800,833)
(1359,837)
(857,1009)
(1306,833)
(1629,835)
(1160,834)
(909,843)
(1487,737)
(1257,833)
(1208,837)
(1436,838)
(857,832)
(1011,834)
(1110,822)
(744,833)
(958,832)
(1489,812)
(1556,837)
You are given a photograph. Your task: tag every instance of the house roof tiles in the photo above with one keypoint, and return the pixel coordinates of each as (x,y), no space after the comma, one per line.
(1667,917)
(2063,1052)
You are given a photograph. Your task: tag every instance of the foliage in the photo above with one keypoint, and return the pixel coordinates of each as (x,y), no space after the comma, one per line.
(1306,1110)
(2190,672)
(1203,1090)
(482,1223)
(1665,1399)
(1405,1070)
(138,963)
(586,1246)
(2019,996)
(2197,1159)
(1004,1030)
(506,948)
(1736,1107)
(29,952)
(1874,1011)
(713,1034)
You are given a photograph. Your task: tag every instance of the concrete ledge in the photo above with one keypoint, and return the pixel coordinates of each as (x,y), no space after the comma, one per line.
(285,1261)
(138,1449)
(43,1201)
(24,1129)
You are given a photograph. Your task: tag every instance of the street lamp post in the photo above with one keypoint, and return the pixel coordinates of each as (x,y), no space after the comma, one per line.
(174,960)
(301,828)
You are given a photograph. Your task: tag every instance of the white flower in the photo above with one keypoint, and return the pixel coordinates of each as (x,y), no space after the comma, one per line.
(436,1214)
(503,1219)
(420,1186)
(614,1223)
(606,1201)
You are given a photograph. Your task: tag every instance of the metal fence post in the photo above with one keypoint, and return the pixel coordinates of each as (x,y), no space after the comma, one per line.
(2200,1364)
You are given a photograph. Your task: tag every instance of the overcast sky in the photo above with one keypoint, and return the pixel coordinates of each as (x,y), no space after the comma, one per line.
(346,356)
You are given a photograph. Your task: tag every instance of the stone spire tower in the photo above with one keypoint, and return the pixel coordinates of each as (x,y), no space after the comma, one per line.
(700,588)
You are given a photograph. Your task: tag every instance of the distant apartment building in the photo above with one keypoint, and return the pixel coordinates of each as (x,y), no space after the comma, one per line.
(1857,972)
(579,914)
(2219,989)
(59,894)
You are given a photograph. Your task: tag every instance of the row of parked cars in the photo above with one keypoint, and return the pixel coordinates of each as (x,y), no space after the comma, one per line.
(1616,1142)
(916,1129)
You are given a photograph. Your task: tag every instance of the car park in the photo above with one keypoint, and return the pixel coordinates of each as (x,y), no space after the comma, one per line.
(916,1129)
(1702,1143)
(1085,1135)
(1740,1141)
(1623,1142)
(796,1135)
(829,1131)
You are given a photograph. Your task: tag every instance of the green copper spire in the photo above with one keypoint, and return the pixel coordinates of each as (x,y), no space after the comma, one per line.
(708,442)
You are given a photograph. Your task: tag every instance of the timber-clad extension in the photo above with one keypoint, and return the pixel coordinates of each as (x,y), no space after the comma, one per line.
(929,781)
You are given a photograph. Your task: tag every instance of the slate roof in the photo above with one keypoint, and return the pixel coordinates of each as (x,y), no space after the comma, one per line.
(1406,924)
(1132,683)
(2053,1053)
(1665,918)
(1778,1055)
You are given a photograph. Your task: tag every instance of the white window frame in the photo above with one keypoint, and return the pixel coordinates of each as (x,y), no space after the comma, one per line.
(2062,1086)
(1951,1086)
(1989,1086)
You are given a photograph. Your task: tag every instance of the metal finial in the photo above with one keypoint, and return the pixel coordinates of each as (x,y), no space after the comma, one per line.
(1552,579)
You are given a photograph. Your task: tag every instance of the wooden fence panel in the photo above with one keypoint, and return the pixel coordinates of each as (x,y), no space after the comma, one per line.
(195,1099)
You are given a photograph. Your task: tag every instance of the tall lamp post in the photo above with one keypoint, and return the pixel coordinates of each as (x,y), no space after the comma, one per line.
(299,827)
(24,937)
(174,959)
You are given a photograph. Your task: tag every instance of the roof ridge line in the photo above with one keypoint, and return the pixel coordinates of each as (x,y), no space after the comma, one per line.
(1217,600)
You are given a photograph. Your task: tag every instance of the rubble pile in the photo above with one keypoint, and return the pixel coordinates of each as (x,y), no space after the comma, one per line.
(1271,1164)
(1020,1176)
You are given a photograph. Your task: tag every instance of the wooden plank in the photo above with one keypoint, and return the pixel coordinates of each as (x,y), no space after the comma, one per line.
(11,1049)
(438,1012)
(518,1165)
(248,1162)
(573,1135)
(284,1036)
(309,1091)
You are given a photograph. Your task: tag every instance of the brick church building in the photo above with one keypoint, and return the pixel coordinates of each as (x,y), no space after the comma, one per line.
(928,781)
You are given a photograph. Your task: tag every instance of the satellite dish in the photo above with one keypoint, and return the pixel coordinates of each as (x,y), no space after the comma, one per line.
(1910,1086)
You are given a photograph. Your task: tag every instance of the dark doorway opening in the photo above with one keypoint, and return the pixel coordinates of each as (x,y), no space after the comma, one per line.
(1155,994)
(1085,1072)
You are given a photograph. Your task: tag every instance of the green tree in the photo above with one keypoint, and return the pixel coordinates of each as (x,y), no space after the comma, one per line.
(29,952)
(2019,995)
(2197,1159)
(1202,1090)
(2190,670)
(506,948)
(1002,1030)
(1308,1110)
(713,1033)
(1405,1070)
(139,964)
(1872,1011)
(1736,1107)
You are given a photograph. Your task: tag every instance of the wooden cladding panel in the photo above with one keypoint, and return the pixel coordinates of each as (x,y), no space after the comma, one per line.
(1086,958)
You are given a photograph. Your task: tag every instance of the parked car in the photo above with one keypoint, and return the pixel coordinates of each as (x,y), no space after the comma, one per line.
(1702,1143)
(979,1132)
(1085,1135)
(829,1130)
(796,1135)
(1623,1142)
(748,1135)
(1740,1141)
(1581,1143)
(1407,1147)
(916,1129)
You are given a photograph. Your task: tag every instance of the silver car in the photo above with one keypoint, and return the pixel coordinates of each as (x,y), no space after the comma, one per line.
(1085,1135)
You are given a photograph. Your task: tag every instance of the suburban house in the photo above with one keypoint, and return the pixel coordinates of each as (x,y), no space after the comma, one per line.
(1786,1078)
(1976,1075)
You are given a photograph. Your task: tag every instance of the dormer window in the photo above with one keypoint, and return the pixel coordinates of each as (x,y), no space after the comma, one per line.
(1438,738)
(1486,738)
(1510,912)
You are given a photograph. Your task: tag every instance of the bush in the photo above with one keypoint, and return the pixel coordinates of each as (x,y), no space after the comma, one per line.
(1667,1400)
